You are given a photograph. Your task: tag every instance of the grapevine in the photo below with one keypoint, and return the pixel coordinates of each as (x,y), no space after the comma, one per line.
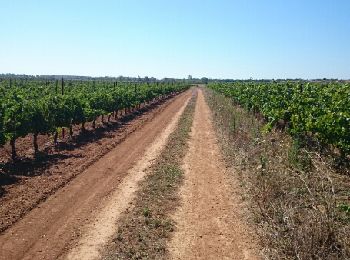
(321,110)
(44,107)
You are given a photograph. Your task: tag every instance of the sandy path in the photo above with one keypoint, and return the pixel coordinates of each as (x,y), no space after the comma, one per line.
(210,222)
(49,230)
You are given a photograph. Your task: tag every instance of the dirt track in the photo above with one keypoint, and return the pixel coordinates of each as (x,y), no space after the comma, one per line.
(51,229)
(80,218)
(27,183)
(210,222)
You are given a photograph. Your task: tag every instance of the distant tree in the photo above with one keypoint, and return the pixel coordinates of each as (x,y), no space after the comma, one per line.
(204,80)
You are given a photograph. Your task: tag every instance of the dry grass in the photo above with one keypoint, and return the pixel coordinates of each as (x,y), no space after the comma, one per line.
(144,230)
(298,198)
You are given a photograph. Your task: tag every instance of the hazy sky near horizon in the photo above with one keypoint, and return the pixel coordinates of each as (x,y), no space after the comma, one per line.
(216,38)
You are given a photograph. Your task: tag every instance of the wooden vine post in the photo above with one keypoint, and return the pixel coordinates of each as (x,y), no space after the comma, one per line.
(62,92)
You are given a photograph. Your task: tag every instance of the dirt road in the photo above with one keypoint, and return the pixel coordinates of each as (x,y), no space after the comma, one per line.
(210,222)
(54,227)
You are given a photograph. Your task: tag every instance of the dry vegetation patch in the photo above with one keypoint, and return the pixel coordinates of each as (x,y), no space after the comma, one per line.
(298,199)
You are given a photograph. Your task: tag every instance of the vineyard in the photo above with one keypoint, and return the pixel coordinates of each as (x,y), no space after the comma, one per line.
(48,107)
(314,109)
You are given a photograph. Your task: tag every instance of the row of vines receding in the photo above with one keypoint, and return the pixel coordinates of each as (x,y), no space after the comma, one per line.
(45,107)
(313,109)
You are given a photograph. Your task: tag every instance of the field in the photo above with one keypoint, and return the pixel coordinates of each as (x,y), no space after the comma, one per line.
(104,169)
(317,110)
(47,107)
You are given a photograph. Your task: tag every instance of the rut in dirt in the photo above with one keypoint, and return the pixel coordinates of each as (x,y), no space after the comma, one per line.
(210,222)
(52,229)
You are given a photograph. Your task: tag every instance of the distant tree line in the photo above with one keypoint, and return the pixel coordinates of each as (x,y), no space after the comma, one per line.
(146,79)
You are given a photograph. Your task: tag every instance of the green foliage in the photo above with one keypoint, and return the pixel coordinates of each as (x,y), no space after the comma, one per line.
(39,107)
(318,109)
(2,133)
(345,208)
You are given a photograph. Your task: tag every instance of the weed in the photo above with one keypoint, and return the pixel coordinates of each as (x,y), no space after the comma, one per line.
(146,212)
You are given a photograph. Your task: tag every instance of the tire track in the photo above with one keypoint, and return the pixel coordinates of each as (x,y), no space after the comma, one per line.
(210,222)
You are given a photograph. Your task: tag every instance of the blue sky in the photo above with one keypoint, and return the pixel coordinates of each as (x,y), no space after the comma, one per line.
(160,38)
